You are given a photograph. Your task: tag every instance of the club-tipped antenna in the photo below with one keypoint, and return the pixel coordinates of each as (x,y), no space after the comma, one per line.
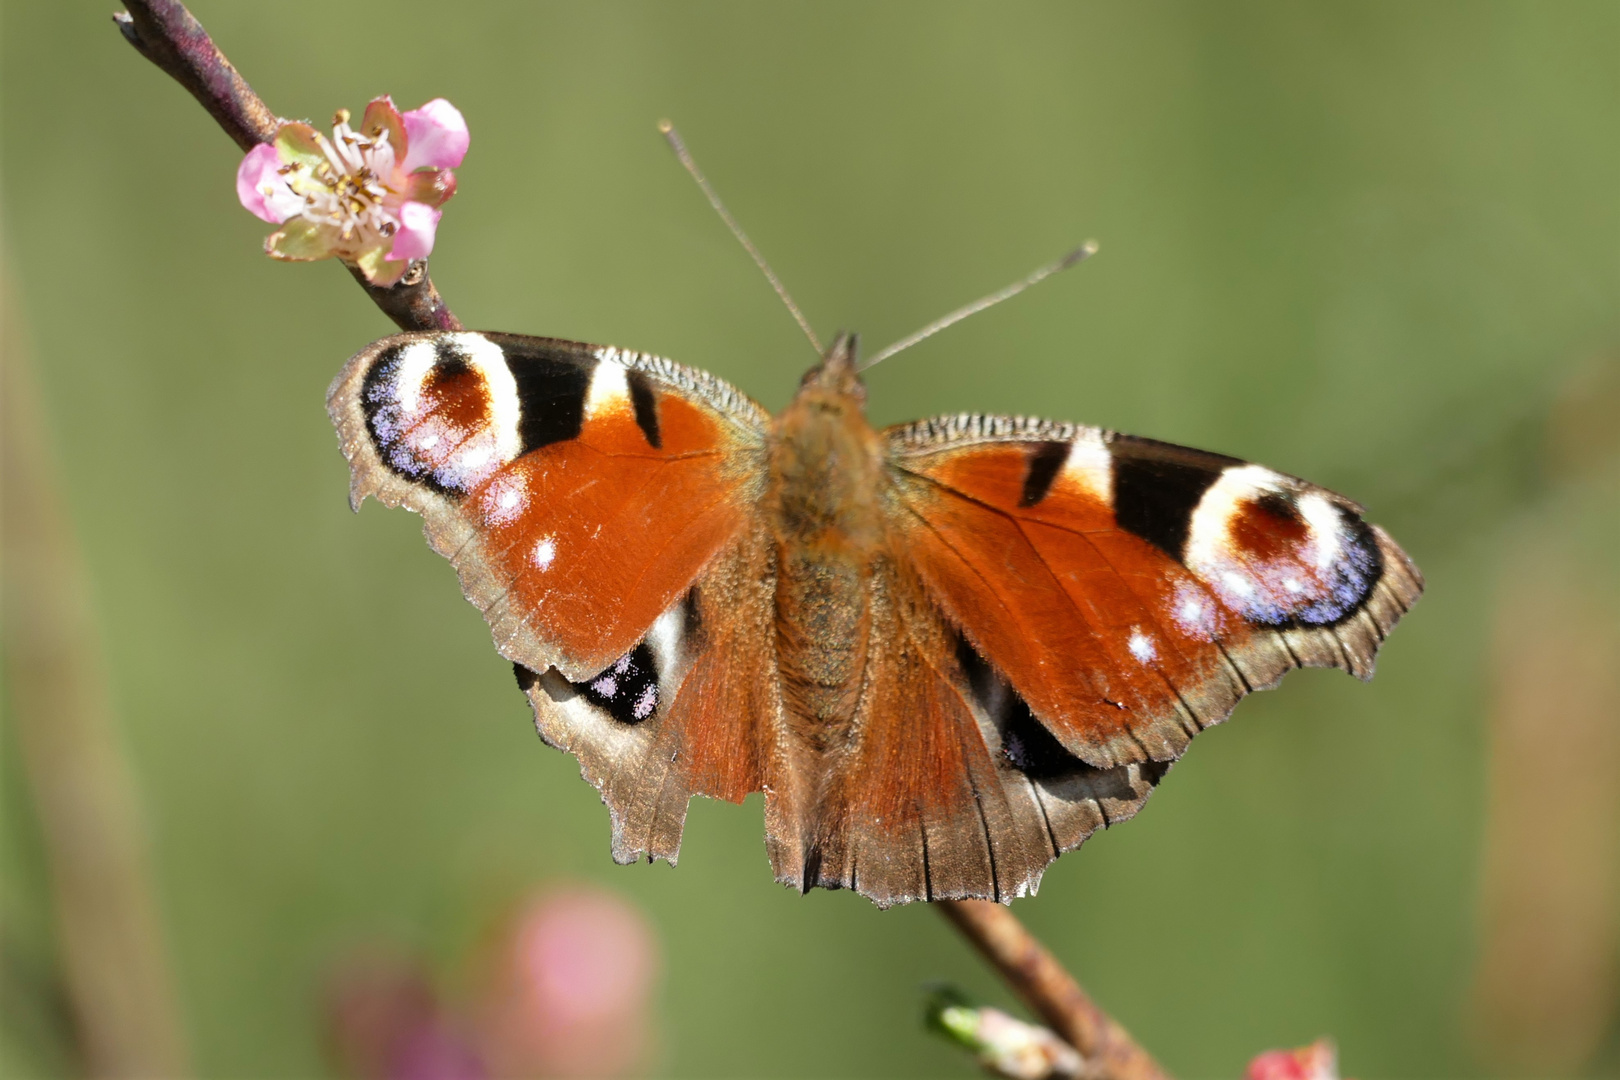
(1078,255)
(673,137)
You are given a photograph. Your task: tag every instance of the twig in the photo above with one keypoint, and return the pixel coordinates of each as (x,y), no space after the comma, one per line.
(167,34)
(1035,975)
(115,971)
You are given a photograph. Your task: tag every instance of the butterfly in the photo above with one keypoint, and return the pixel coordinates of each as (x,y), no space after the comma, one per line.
(947,651)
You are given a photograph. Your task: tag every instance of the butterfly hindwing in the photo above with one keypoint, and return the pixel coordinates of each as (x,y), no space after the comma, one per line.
(690,710)
(948,787)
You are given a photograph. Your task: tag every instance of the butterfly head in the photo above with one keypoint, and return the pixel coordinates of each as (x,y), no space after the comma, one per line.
(836,374)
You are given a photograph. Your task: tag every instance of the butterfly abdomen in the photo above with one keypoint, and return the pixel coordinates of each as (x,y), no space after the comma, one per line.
(824,506)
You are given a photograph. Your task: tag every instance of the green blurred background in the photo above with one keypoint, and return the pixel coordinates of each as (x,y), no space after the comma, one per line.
(1368,244)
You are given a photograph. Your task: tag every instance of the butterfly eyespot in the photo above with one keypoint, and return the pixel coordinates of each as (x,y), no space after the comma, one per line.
(1237,584)
(545,553)
(442,412)
(1033,750)
(1279,553)
(628,689)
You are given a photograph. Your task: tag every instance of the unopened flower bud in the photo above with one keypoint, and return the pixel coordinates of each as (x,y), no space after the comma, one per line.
(1003,1044)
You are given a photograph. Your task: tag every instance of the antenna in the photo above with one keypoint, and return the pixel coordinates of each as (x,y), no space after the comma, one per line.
(673,137)
(1078,255)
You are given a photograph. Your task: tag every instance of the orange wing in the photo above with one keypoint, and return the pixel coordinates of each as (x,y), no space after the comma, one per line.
(598,506)
(578,490)
(691,709)
(948,787)
(1065,609)
(1131,591)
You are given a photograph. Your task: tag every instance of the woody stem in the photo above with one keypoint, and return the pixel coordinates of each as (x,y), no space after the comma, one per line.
(1051,992)
(167,34)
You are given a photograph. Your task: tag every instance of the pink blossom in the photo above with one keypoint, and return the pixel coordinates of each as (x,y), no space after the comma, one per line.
(569,987)
(385,1021)
(262,190)
(1318,1061)
(437,137)
(369,197)
(417,222)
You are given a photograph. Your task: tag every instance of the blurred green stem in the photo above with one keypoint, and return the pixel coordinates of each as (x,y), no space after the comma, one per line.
(1050,991)
(115,967)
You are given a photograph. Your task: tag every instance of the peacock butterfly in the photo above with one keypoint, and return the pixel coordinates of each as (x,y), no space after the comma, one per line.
(947,651)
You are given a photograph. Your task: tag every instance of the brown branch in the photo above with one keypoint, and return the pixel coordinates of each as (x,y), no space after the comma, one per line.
(1036,976)
(167,34)
(413,303)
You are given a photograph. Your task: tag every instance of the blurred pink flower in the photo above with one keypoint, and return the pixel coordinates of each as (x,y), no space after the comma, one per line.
(569,987)
(386,1023)
(1318,1061)
(369,197)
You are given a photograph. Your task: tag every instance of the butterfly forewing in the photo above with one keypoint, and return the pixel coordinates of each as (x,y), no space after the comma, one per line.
(579,490)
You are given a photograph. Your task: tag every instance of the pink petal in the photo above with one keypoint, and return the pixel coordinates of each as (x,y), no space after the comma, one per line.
(569,990)
(417,224)
(436,136)
(381,116)
(262,189)
(431,186)
(1275,1065)
(1318,1061)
